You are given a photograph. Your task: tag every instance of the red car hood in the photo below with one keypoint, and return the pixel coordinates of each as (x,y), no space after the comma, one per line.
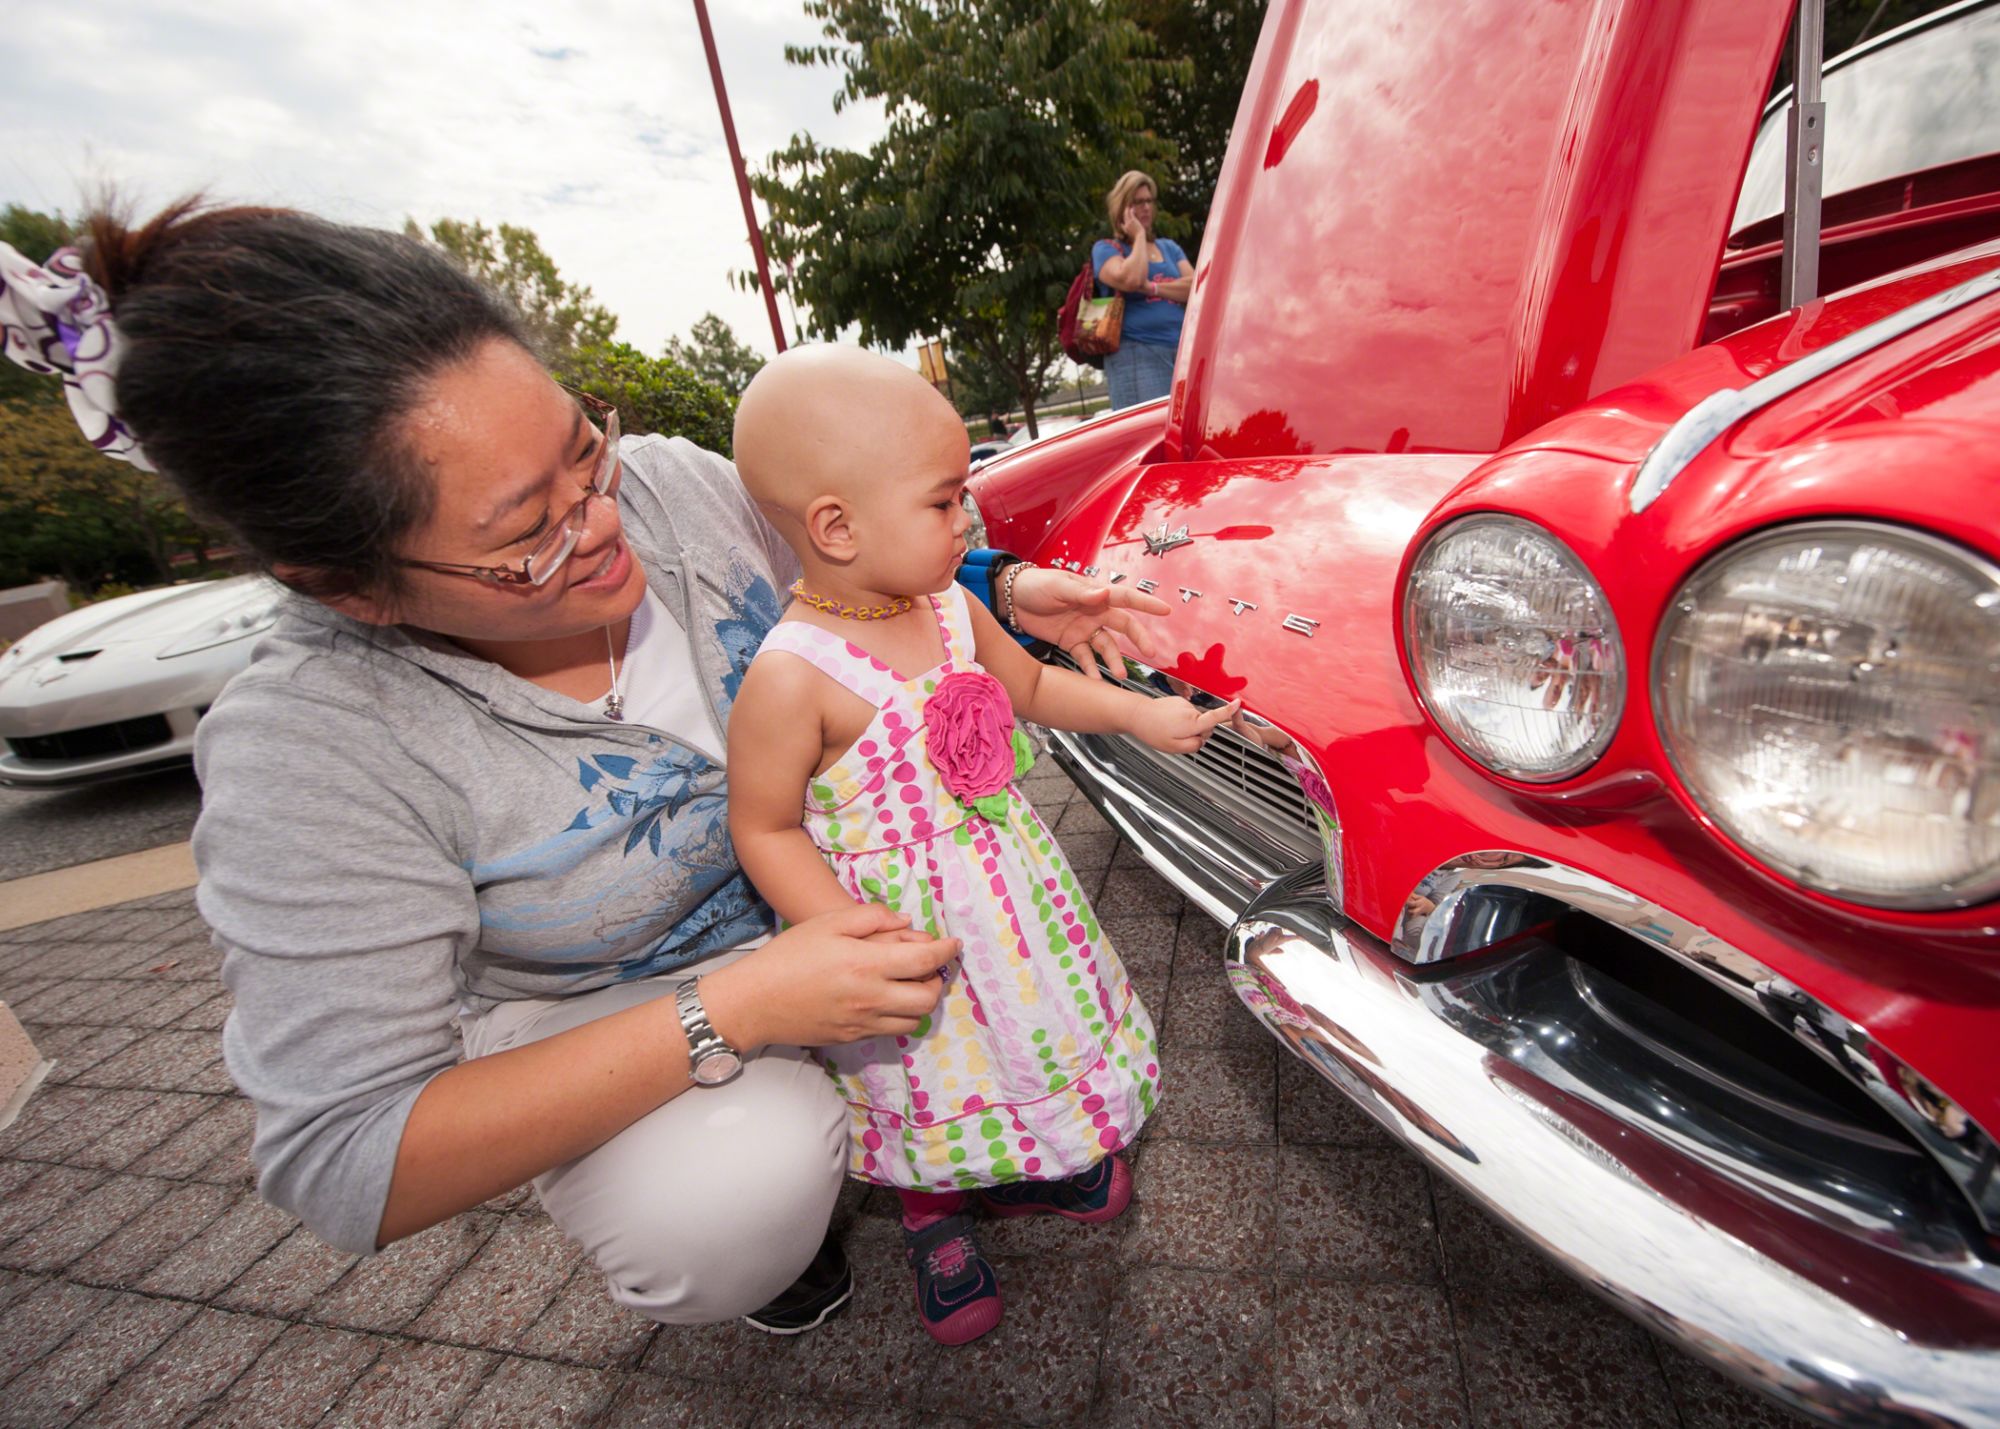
(1453,232)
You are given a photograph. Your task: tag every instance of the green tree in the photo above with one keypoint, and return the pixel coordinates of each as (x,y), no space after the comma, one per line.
(979,390)
(653,394)
(560,316)
(713,354)
(1008,120)
(1194,101)
(573,334)
(34,233)
(67,511)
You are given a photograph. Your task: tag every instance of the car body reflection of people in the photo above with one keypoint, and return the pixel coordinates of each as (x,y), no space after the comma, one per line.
(1156,279)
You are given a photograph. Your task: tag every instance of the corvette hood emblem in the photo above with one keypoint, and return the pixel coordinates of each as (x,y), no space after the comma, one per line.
(1158,543)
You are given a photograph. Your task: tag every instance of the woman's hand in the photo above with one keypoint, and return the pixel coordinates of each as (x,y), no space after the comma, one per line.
(1135,230)
(1174,726)
(487,1125)
(1081,617)
(831,979)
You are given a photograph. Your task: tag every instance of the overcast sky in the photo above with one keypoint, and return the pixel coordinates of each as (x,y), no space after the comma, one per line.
(590,121)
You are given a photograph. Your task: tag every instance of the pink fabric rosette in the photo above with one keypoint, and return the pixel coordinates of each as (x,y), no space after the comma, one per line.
(969,728)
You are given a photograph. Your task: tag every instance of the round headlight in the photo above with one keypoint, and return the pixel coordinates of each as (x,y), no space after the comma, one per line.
(975,536)
(1830,693)
(1516,654)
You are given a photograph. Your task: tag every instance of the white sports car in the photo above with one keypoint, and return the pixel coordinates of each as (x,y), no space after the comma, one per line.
(115,689)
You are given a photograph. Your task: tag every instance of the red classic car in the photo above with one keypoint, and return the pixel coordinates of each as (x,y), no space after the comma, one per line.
(1615,811)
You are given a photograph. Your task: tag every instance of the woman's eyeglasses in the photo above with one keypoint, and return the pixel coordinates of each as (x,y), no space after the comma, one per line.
(538,568)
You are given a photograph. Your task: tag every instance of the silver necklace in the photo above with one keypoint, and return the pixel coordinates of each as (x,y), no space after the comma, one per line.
(614,703)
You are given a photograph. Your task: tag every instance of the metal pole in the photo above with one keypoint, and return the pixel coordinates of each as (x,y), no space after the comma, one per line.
(742,175)
(791,306)
(1805,150)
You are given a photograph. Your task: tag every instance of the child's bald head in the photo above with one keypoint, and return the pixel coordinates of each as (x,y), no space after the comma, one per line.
(829,420)
(859,463)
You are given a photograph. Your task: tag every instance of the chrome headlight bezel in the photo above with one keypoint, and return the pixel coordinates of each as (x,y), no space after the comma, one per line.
(1612,669)
(1970,890)
(975,535)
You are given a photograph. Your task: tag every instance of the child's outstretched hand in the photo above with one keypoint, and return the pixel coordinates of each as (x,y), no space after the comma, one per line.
(1174,726)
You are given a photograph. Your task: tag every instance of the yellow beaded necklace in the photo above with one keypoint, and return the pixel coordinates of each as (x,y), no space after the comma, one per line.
(844,611)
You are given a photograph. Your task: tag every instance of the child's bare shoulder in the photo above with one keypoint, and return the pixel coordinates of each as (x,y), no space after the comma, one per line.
(780,674)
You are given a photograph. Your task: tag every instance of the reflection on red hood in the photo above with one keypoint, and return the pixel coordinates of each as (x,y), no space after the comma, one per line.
(1205,672)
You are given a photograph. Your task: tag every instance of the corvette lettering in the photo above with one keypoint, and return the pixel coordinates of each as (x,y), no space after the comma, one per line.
(1158,543)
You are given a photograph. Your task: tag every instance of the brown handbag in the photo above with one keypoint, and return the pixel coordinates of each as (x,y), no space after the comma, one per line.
(1100,322)
(1088,326)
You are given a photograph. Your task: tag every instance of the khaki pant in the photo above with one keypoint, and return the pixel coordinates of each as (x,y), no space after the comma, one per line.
(707,1207)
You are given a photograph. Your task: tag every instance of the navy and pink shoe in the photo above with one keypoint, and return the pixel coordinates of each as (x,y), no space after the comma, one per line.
(958,1295)
(1094,1196)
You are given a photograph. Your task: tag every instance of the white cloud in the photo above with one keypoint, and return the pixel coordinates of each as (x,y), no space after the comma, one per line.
(593,123)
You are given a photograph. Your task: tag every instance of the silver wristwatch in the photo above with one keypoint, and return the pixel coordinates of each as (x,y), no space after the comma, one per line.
(711,1061)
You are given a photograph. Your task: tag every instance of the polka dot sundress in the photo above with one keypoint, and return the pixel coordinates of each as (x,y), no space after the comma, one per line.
(1039,1061)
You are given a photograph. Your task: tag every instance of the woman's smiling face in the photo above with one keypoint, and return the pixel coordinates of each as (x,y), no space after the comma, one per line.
(509,453)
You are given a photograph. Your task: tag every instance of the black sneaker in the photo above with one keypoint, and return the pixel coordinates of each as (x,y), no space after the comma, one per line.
(811,1300)
(958,1295)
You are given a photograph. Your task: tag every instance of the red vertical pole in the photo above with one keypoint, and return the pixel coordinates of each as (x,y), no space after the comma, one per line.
(742,175)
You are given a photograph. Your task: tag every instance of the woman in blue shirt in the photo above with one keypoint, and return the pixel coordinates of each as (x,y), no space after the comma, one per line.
(1155,277)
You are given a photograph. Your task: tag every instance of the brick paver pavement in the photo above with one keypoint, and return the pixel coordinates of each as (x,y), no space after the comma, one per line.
(1284,1262)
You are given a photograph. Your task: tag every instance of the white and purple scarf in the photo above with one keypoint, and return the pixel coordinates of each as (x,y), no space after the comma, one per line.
(54,319)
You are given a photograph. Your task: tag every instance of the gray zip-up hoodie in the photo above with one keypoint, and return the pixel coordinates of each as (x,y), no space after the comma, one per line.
(393,830)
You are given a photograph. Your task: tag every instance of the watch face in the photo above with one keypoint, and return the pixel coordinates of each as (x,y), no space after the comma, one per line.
(717,1068)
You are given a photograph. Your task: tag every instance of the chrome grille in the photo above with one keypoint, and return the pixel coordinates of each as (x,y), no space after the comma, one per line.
(1240,774)
(1248,779)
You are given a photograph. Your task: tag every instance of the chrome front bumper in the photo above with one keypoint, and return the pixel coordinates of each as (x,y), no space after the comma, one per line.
(1507,1073)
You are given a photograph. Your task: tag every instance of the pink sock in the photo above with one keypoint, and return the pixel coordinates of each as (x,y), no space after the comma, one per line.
(924,1208)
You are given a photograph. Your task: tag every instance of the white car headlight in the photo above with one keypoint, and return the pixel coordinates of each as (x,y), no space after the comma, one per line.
(1514,647)
(220,630)
(1830,694)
